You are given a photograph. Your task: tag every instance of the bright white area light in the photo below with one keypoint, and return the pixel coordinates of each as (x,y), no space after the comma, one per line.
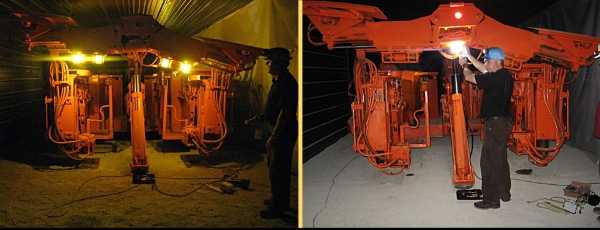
(457,47)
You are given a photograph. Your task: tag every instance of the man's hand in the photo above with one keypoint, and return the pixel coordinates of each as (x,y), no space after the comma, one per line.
(469,76)
(464,52)
(478,65)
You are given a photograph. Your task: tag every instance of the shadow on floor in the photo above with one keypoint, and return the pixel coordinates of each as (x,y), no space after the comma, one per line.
(168,146)
(49,157)
(225,157)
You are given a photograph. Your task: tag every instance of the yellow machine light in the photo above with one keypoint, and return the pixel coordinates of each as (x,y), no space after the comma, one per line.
(457,47)
(185,67)
(98,59)
(458,15)
(78,58)
(165,63)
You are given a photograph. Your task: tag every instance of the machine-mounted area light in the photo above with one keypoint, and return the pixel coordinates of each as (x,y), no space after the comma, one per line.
(78,58)
(185,67)
(458,15)
(98,59)
(165,63)
(457,47)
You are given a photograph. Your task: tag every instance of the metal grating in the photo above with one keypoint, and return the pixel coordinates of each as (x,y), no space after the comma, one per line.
(325,103)
(21,89)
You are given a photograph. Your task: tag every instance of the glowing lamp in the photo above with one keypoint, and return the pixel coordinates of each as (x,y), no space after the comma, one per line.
(98,59)
(78,58)
(458,15)
(165,63)
(185,67)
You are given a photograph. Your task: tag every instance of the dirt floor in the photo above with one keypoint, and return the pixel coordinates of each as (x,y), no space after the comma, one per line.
(34,194)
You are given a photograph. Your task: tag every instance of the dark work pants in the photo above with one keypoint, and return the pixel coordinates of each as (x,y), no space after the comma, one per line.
(279,156)
(495,171)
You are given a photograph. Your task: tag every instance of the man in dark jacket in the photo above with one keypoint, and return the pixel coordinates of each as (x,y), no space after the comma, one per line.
(280,117)
(497,85)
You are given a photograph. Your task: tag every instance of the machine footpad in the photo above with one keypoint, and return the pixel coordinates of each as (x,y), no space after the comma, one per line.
(469,194)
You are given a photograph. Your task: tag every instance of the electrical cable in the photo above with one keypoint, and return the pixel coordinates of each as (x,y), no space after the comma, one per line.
(349,91)
(519,179)
(189,178)
(330,189)
(155,188)
(58,72)
(98,177)
(88,198)
(54,170)
(366,68)
(546,204)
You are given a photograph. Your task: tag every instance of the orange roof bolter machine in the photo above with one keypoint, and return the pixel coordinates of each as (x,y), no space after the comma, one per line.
(395,110)
(172,84)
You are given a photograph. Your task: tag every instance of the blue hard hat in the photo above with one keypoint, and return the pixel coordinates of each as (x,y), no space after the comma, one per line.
(494,53)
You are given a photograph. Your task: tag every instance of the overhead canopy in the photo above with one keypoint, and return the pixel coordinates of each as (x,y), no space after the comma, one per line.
(186,17)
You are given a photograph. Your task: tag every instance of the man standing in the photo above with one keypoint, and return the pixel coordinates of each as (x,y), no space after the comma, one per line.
(497,84)
(280,117)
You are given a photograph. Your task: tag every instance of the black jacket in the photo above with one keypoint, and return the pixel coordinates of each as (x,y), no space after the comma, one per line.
(282,105)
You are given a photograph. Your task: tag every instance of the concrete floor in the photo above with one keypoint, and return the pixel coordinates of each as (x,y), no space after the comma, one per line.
(65,197)
(361,196)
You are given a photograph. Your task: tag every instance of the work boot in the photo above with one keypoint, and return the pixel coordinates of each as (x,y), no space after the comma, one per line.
(486,205)
(505,197)
(269,203)
(271,213)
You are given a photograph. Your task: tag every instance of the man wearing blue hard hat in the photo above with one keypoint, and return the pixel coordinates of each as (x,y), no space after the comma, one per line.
(497,84)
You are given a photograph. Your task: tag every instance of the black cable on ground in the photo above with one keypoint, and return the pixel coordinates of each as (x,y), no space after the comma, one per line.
(98,177)
(89,198)
(190,178)
(330,188)
(55,170)
(516,179)
(155,188)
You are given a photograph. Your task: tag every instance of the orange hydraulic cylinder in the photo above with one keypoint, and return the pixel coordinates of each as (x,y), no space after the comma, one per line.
(463,173)
(138,135)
